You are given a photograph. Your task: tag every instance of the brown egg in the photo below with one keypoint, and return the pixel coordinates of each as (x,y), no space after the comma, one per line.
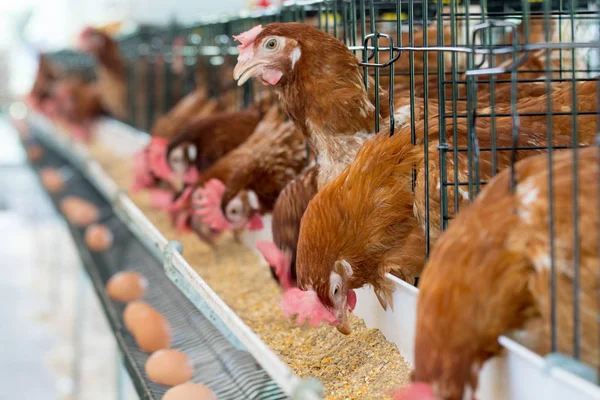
(126,286)
(98,237)
(52,180)
(169,367)
(190,391)
(134,312)
(152,332)
(35,152)
(78,211)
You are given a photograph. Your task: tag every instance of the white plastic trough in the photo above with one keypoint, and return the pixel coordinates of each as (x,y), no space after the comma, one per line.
(520,374)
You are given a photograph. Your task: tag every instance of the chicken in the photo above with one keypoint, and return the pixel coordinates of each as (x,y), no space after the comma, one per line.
(489,274)
(321,87)
(77,104)
(78,101)
(200,202)
(167,126)
(204,140)
(192,137)
(369,222)
(285,223)
(110,71)
(253,188)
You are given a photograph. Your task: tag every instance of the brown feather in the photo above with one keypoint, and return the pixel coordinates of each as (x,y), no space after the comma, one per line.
(272,165)
(489,273)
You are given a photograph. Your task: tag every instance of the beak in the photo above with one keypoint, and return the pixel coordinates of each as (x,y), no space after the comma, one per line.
(343,324)
(246,70)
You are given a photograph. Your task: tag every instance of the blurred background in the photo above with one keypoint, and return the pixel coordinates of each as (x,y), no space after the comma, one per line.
(45,346)
(51,25)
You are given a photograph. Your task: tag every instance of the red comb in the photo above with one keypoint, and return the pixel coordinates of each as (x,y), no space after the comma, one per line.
(208,207)
(157,158)
(247,40)
(161,198)
(142,178)
(255,222)
(280,262)
(305,304)
(414,391)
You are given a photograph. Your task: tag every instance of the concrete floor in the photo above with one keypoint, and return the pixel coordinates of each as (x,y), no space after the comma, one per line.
(23,340)
(41,284)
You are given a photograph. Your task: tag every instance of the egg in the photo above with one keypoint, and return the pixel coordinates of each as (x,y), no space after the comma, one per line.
(78,211)
(190,391)
(98,237)
(126,286)
(169,367)
(134,312)
(152,332)
(35,152)
(52,180)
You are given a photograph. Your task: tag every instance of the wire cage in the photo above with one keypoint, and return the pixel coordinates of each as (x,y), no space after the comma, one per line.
(479,85)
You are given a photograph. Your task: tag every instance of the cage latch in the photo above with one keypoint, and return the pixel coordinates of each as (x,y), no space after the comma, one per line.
(390,47)
(479,32)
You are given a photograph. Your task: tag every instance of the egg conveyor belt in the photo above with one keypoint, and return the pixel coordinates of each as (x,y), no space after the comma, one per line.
(220,361)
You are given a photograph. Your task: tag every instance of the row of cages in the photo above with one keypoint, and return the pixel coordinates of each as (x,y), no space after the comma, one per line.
(459,65)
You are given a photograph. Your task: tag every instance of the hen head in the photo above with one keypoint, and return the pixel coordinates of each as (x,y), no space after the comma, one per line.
(181,161)
(242,209)
(327,299)
(276,52)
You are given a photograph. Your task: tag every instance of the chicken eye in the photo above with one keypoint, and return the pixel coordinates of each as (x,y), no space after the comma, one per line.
(336,290)
(271,44)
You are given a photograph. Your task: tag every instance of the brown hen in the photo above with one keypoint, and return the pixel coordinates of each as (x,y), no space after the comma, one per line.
(368,221)
(489,274)
(206,139)
(285,224)
(191,106)
(110,71)
(332,108)
(256,183)
(220,172)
